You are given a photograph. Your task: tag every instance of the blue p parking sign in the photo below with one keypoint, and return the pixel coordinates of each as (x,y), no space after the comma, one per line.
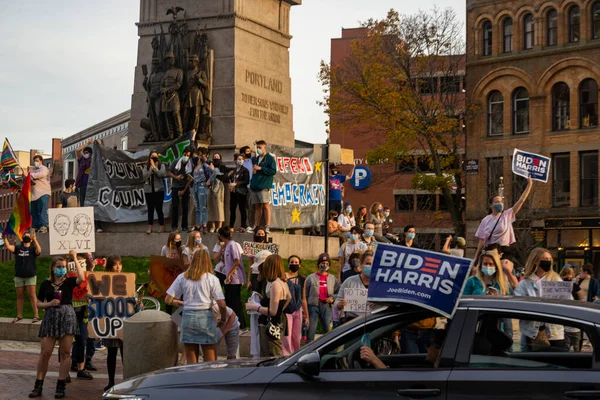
(362,178)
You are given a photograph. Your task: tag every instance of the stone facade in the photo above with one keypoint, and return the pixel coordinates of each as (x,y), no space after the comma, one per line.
(558,47)
(251,81)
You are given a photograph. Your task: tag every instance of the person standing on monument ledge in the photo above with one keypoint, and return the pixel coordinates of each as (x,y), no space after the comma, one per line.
(40,194)
(264,169)
(170,104)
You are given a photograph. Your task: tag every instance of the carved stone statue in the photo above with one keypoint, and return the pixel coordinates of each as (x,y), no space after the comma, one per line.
(170,105)
(153,85)
(196,86)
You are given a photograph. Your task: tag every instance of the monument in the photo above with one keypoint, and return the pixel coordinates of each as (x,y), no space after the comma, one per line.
(218,66)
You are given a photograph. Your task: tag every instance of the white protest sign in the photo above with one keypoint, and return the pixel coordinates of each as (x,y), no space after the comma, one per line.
(557,289)
(356,300)
(71,229)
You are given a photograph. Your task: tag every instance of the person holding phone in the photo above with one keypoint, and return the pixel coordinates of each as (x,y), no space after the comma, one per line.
(489,279)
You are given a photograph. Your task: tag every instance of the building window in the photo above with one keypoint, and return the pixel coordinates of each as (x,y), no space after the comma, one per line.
(528,32)
(552,30)
(424,165)
(70,170)
(495,169)
(495,114)
(443,206)
(487,38)
(520,111)
(426,202)
(450,84)
(507,34)
(405,202)
(588,179)
(560,107)
(427,241)
(124,143)
(574,24)
(518,187)
(596,20)
(588,103)
(428,85)
(561,180)
(405,165)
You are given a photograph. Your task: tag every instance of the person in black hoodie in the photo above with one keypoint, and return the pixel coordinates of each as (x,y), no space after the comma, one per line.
(239,178)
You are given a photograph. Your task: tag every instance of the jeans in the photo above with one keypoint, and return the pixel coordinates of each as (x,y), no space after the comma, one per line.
(291,343)
(322,313)
(237,200)
(573,339)
(39,211)
(200,201)
(154,201)
(414,341)
(233,299)
(78,351)
(185,205)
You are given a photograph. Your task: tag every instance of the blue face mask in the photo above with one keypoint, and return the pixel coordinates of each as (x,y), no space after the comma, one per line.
(349,210)
(411,236)
(185,159)
(367,270)
(60,272)
(369,232)
(498,207)
(354,237)
(488,271)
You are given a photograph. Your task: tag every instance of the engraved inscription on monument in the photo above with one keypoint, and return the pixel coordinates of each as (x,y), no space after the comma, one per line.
(262,107)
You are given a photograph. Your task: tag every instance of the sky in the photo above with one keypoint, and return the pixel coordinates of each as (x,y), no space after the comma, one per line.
(69,64)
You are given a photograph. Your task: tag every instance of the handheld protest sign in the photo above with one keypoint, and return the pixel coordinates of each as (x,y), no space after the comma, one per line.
(530,164)
(163,271)
(253,248)
(557,290)
(420,277)
(71,229)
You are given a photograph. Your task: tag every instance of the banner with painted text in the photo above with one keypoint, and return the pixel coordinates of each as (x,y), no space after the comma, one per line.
(116,186)
(424,278)
(298,192)
(530,164)
(112,300)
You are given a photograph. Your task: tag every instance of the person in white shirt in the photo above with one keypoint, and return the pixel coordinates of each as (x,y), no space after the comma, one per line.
(353,245)
(194,243)
(346,220)
(199,288)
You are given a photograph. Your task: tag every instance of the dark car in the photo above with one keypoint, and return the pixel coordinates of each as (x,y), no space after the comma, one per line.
(483,356)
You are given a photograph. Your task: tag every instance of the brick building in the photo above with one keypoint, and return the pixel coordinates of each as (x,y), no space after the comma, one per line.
(533,68)
(392,180)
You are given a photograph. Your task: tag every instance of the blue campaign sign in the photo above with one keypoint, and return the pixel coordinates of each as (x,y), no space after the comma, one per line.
(362,178)
(526,164)
(424,278)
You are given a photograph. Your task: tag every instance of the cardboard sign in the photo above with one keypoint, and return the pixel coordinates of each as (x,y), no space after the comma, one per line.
(526,164)
(253,248)
(163,271)
(112,300)
(356,300)
(557,289)
(347,156)
(71,229)
(424,278)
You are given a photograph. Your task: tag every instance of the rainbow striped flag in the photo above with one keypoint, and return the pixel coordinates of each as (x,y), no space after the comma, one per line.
(20,219)
(9,159)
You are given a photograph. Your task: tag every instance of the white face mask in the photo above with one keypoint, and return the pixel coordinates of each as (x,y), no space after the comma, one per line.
(36,164)
(240,162)
(86,155)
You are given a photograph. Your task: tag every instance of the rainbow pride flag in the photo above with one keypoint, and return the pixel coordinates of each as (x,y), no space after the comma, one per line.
(9,159)
(20,219)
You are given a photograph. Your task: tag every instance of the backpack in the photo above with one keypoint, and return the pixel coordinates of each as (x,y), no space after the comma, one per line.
(296,301)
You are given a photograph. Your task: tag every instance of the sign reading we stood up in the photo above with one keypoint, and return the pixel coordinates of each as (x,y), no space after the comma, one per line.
(531,164)
(71,229)
(113,300)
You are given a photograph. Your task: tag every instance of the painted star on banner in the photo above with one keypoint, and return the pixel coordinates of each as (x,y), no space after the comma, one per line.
(295,215)
(318,166)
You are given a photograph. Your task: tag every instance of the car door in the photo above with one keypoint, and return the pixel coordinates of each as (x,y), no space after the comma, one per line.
(486,368)
(404,381)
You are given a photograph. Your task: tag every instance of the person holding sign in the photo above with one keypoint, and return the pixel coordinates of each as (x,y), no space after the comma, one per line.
(113,264)
(360,282)
(497,226)
(538,268)
(489,278)
(153,174)
(59,323)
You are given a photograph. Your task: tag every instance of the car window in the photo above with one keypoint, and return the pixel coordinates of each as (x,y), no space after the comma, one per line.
(503,341)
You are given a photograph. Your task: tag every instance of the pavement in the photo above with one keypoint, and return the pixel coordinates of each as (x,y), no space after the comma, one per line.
(18,361)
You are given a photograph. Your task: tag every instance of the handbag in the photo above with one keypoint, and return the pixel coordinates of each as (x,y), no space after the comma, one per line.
(541,341)
(274,331)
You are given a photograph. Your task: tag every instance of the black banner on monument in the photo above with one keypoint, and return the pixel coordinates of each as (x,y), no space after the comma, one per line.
(116,186)
(298,193)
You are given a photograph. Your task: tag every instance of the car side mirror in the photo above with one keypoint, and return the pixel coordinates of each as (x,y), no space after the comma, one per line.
(309,364)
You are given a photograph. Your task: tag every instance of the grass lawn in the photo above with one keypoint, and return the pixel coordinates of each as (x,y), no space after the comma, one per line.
(8,306)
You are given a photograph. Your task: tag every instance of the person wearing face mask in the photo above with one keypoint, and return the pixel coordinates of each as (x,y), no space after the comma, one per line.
(84,164)
(40,194)
(361,217)
(260,235)
(174,247)
(320,288)
(194,243)
(360,281)
(352,245)
(377,218)
(25,279)
(216,193)
(410,233)
(538,268)
(181,175)
(291,342)
(254,272)
(368,237)
(387,225)
(336,181)
(356,266)
(246,152)
(59,323)
(346,220)
(235,275)
(239,179)
(497,227)
(203,176)
(489,278)
(153,173)
(264,169)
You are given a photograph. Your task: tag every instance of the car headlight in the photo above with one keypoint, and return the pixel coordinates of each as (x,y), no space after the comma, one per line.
(115,396)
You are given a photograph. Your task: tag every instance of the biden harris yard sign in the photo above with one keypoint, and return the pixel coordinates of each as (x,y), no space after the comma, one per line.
(405,275)
(531,164)
(362,178)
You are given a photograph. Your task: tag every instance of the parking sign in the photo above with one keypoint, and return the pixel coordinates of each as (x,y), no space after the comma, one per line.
(362,177)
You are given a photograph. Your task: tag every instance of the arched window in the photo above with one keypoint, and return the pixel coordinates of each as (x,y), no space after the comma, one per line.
(552,28)
(507,35)
(560,107)
(588,103)
(495,114)
(596,20)
(520,111)
(574,24)
(528,32)
(487,39)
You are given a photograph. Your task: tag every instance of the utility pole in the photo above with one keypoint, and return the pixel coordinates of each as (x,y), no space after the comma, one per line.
(326,247)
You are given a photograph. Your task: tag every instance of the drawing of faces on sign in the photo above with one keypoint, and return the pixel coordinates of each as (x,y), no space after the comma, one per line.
(62,223)
(82,225)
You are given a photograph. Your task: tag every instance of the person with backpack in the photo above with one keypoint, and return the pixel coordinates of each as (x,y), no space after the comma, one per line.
(296,309)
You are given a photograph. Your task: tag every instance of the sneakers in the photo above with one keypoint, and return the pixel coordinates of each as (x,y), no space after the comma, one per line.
(267,229)
(99,230)
(249,229)
(83,374)
(89,366)
(100,346)
(43,229)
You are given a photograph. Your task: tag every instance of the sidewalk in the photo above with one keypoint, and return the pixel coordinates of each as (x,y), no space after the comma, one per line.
(18,362)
